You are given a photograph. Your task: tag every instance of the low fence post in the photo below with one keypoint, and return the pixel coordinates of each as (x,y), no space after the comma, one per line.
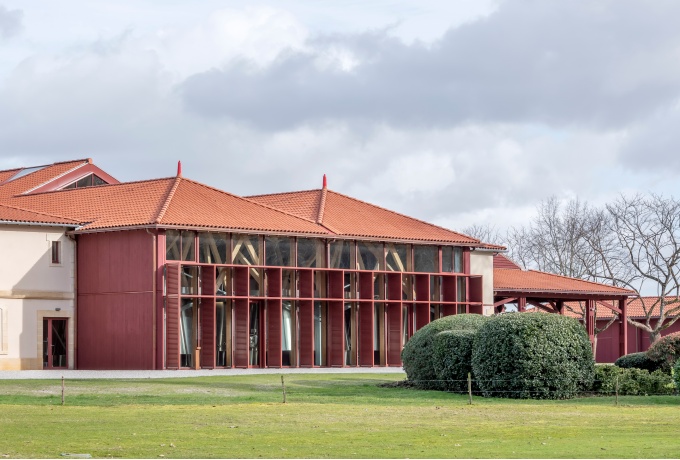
(469,389)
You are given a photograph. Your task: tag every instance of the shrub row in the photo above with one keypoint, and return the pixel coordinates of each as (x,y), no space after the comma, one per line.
(637,361)
(676,375)
(631,381)
(519,355)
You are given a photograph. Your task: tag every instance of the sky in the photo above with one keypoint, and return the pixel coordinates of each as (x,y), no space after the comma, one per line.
(457,112)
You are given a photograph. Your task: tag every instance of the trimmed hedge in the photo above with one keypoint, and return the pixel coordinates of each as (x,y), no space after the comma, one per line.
(452,358)
(632,381)
(533,355)
(637,361)
(418,351)
(665,351)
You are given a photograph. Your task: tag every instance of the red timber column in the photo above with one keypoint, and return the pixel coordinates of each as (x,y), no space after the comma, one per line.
(160,301)
(590,320)
(623,326)
(306,319)
(394,333)
(172,308)
(522,304)
(207,316)
(274,318)
(336,319)
(560,307)
(366,313)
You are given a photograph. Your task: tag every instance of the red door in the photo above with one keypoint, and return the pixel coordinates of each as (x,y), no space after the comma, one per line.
(55,343)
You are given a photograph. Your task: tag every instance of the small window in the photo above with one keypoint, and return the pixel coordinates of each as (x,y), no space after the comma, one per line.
(56,252)
(87,181)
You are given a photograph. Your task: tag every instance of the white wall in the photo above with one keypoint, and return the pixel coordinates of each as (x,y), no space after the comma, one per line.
(481,263)
(32,288)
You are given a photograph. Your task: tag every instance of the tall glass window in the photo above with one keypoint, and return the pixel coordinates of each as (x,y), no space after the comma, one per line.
(370,256)
(278,251)
(458,260)
(340,253)
(186,328)
(319,335)
(222,326)
(213,248)
(425,259)
(287,332)
(397,257)
(311,253)
(179,245)
(447,259)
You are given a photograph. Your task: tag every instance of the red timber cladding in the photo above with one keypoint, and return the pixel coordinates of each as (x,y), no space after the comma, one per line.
(274,358)
(422,293)
(449,294)
(207,316)
(172,314)
(475,294)
(241,332)
(115,312)
(336,319)
(638,340)
(366,313)
(394,330)
(306,319)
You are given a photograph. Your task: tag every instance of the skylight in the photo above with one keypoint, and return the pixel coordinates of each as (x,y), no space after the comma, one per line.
(26,172)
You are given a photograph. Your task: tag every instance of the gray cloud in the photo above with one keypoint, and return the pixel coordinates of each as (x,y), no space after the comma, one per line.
(603,63)
(10,22)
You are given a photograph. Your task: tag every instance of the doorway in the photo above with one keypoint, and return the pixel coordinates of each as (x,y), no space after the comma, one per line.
(55,343)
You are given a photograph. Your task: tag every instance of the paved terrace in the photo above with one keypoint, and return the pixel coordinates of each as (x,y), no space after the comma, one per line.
(167,374)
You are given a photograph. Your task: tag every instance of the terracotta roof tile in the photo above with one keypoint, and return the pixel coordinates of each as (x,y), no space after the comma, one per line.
(503,261)
(349,216)
(532,281)
(37,178)
(173,202)
(104,206)
(195,204)
(19,215)
(635,307)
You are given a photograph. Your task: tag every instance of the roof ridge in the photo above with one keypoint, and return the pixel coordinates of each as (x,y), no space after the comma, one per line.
(251,201)
(281,193)
(46,165)
(55,177)
(322,206)
(579,279)
(4,205)
(408,217)
(168,199)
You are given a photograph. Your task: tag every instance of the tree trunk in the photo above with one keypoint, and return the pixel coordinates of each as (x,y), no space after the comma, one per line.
(654,336)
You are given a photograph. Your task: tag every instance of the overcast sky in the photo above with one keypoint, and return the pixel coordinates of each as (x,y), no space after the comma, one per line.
(453,111)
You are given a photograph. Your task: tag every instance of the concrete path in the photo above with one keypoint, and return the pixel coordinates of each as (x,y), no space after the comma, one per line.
(78,374)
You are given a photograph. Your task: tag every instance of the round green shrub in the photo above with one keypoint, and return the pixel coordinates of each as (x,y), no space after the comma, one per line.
(637,361)
(452,358)
(665,351)
(532,355)
(417,354)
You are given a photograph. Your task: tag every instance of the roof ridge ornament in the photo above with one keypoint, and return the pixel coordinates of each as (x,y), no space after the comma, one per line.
(179,169)
(325,182)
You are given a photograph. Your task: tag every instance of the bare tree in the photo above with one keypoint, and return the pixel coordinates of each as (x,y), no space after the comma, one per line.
(485,233)
(636,244)
(555,242)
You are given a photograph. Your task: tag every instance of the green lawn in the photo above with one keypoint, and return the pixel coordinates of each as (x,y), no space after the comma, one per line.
(325,416)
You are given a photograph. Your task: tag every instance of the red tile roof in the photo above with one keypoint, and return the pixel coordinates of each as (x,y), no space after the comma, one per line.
(635,308)
(19,215)
(503,261)
(173,202)
(347,216)
(534,282)
(35,179)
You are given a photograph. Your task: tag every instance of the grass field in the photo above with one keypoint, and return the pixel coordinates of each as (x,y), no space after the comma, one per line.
(327,415)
